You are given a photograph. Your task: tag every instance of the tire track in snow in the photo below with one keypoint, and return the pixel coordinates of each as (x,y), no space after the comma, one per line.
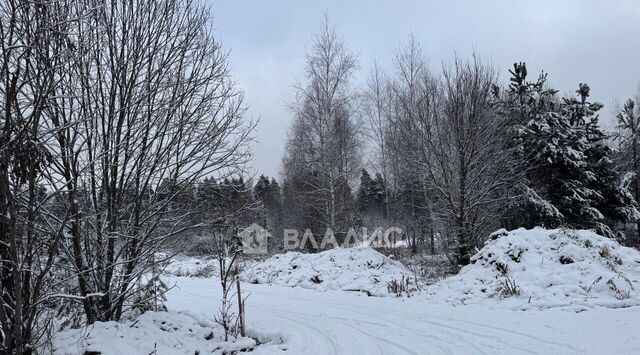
(509,331)
(343,323)
(414,331)
(429,320)
(451,331)
(379,321)
(453,334)
(327,339)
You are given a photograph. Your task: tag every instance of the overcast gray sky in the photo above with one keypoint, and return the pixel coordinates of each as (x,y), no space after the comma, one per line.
(597,42)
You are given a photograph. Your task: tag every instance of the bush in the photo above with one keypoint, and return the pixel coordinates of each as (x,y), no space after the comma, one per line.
(402,286)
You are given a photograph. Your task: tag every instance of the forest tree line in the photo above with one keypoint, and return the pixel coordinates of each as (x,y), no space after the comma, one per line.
(448,156)
(122,130)
(451,155)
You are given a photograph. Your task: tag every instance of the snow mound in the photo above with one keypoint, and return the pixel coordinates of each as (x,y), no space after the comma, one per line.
(347,269)
(150,333)
(540,268)
(191,267)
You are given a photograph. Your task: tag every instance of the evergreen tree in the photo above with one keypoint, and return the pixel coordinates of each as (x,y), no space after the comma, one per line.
(370,200)
(269,211)
(364,191)
(528,108)
(378,192)
(570,178)
(262,188)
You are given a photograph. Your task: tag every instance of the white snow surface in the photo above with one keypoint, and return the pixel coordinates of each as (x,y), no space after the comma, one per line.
(463,314)
(571,269)
(165,332)
(305,321)
(347,269)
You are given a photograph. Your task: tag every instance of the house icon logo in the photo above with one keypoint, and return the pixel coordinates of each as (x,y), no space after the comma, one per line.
(254,239)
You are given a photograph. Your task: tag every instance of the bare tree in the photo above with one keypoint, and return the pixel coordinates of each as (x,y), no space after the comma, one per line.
(629,135)
(33,36)
(464,155)
(377,101)
(413,94)
(227,249)
(228,217)
(147,109)
(323,146)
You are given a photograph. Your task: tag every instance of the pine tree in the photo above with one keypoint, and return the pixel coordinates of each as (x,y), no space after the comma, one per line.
(571,179)
(528,107)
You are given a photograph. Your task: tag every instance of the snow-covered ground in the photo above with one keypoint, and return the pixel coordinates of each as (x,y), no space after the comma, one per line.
(347,269)
(539,268)
(169,332)
(338,322)
(574,292)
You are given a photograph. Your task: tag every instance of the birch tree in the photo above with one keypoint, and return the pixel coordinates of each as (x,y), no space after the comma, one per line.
(413,92)
(377,101)
(323,146)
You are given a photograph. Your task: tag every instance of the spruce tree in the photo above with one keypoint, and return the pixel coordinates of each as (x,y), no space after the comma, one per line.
(364,191)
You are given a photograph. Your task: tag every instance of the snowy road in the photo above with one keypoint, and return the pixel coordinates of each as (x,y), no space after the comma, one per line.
(312,322)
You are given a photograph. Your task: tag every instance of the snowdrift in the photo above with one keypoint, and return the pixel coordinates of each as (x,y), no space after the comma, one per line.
(150,333)
(191,267)
(347,269)
(539,268)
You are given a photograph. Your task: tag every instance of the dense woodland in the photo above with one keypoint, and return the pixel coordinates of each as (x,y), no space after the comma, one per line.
(448,156)
(455,153)
(124,133)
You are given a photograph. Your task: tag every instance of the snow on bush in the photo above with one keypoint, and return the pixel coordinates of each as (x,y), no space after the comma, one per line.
(150,333)
(541,268)
(348,269)
(191,267)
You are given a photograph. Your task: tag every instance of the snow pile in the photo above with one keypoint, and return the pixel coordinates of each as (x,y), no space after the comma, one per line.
(541,268)
(348,269)
(192,267)
(150,333)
